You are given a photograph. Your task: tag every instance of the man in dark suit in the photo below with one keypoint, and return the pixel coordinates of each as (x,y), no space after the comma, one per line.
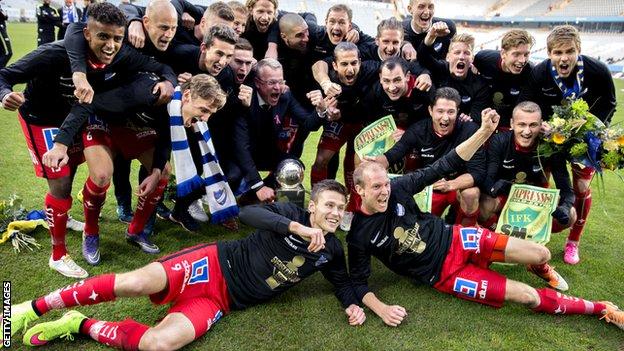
(263,131)
(68,13)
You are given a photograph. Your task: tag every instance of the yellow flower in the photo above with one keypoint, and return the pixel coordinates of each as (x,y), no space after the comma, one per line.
(610,145)
(558,138)
(557,122)
(620,140)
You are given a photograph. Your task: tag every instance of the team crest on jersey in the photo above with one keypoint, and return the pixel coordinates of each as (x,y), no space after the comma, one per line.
(199,272)
(400,210)
(465,99)
(465,287)
(437,47)
(48,135)
(470,238)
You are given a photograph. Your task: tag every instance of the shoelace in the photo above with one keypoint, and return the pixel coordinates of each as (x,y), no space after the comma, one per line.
(71,264)
(68,336)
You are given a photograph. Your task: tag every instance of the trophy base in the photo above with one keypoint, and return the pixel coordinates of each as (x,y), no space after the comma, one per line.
(296,195)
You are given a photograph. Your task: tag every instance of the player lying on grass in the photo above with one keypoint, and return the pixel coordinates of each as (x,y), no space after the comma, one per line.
(452,259)
(206,281)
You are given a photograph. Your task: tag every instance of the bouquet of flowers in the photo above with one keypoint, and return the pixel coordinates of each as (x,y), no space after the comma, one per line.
(582,138)
(15,223)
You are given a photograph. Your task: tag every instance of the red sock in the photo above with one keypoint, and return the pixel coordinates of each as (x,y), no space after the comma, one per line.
(56,215)
(94,197)
(86,292)
(553,302)
(466,219)
(317,174)
(145,207)
(582,204)
(124,335)
(349,166)
(540,268)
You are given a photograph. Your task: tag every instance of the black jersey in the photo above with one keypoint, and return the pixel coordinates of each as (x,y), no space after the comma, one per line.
(47,19)
(474,90)
(260,41)
(406,240)
(440,45)
(508,162)
(325,48)
(597,89)
(407,110)
(350,100)
(49,91)
(430,147)
(271,260)
(505,87)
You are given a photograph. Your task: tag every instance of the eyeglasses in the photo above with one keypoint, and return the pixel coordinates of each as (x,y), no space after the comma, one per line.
(272,82)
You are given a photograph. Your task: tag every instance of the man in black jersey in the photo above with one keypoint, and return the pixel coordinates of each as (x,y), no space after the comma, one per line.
(452,259)
(566,76)
(455,71)
(435,137)
(506,71)
(205,282)
(420,22)
(48,98)
(512,158)
(350,79)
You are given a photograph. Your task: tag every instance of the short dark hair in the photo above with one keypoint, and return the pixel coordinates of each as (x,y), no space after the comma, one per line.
(447,93)
(327,185)
(345,46)
(340,8)
(107,13)
(243,44)
(391,62)
(221,32)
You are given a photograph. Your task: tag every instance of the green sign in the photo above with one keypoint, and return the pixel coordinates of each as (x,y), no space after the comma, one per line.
(376,138)
(527,213)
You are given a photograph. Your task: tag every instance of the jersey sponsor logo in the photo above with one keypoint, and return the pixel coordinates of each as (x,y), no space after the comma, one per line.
(426,149)
(514,91)
(470,238)
(48,136)
(483,290)
(465,287)
(199,272)
(109,76)
(376,237)
(399,210)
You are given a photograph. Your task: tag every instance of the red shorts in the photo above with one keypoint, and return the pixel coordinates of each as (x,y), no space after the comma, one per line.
(131,142)
(586,173)
(465,273)
(195,286)
(39,140)
(335,134)
(440,201)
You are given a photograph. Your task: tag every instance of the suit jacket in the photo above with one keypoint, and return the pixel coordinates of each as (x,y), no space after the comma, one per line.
(63,26)
(258,132)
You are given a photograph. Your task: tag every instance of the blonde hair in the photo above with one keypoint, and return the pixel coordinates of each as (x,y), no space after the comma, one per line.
(564,33)
(206,87)
(463,38)
(516,37)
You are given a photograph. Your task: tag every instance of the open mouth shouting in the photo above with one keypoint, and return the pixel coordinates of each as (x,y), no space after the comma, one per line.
(564,69)
(240,77)
(424,20)
(336,36)
(461,68)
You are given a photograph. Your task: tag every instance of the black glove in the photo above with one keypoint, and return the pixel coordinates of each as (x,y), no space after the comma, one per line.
(562,214)
(500,187)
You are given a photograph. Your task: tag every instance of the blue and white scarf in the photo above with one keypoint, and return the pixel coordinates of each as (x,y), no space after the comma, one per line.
(70,15)
(219,196)
(574,92)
